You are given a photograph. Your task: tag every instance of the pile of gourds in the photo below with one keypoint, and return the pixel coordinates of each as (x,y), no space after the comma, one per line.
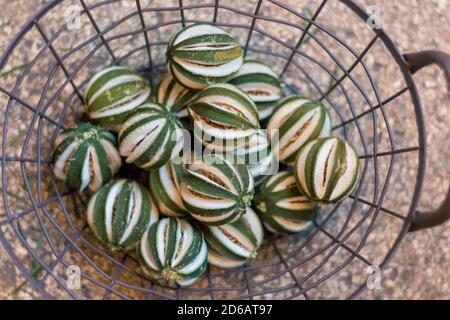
(213,208)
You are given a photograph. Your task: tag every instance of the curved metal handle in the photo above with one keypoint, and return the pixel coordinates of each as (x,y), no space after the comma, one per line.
(416,61)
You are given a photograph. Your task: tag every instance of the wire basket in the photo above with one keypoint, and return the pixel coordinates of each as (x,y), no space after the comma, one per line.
(328,50)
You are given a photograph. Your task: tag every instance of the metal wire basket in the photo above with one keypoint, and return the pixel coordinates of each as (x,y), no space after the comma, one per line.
(42,227)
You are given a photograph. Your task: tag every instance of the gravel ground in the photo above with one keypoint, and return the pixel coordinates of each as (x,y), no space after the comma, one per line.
(420,268)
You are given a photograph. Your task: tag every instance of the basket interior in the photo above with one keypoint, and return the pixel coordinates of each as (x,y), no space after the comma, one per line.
(321,49)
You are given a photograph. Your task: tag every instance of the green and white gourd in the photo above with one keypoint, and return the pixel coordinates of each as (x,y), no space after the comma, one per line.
(201,54)
(120,212)
(150,136)
(174,96)
(224,117)
(261,84)
(327,170)
(231,245)
(297,120)
(215,191)
(173,252)
(165,189)
(85,156)
(281,206)
(113,93)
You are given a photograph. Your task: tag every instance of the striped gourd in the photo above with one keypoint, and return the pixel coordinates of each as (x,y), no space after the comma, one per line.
(174,96)
(232,244)
(85,156)
(165,189)
(120,212)
(281,206)
(150,136)
(215,191)
(201,54)
(113,93)
(173,252)
(327,170)
(223,117)
(298,120)
(261,84)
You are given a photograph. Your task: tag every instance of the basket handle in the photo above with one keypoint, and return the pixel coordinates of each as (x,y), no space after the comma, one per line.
(416,61)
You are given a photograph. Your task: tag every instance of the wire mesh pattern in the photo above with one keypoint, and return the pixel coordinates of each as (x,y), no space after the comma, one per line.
(42,226)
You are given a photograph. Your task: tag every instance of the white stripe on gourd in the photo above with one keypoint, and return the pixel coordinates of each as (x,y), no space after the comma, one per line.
(298,120)
(85,156)
(113,93)
(261,84)
(120,212)
(201,54)
(216,191)
(165,189)
(174,96)
(281,206)
(150,136)
(327,170)
(231,245)
(223,117)
(173,252)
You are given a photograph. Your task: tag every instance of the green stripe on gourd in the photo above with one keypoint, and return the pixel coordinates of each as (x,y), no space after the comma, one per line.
(232,244)
(150,136)
(223,117)
(215,191)
(165,189)
(173,252)
(327,170)
(261,84)
(120,212)
(174,96)
(85,156)
(297,120)
(113,93)
(281,206)
(201,54)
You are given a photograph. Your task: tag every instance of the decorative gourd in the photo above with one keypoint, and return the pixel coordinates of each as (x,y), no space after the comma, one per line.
(165,189)
(281,206)
(201,54)
(120,212)
(261,84)
(173,252)
(215,191)
(298,121)
(150,136)
(223,117)
(113,93)
(85,156)
(327,170)
(231,245)
(174,96)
